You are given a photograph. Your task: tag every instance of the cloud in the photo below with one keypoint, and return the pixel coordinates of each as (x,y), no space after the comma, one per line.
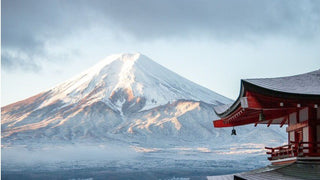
(29,27)
(67,154)
(13,61)
(221,19)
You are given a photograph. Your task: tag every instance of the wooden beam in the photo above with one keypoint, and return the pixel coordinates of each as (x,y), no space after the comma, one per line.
(270,121)
(285,119)
(256,100)
(252,101)
(297,126)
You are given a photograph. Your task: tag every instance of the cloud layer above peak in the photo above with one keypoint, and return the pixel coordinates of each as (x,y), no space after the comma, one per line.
(33,30)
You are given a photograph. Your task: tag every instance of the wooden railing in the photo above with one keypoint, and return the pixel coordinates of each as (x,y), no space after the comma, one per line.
(294,149)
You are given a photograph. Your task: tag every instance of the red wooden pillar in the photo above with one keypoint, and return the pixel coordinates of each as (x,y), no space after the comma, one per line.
(312,128)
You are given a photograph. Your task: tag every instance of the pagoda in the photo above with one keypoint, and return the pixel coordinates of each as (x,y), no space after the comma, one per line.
(292,101)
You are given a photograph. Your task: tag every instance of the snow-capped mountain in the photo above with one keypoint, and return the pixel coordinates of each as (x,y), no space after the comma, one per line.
(130,78)
(126,114)
(125,97)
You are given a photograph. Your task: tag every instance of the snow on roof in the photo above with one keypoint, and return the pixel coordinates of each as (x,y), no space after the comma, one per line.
(290,171)
(221,108)
(308,83)
(303,84)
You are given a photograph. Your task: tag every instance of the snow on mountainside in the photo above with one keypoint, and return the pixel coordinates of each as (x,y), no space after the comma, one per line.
(127,113)
(130,78)
(124,98)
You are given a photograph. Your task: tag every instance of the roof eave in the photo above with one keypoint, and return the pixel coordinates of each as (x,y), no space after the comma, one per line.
(235,105)
(247,86)
(274,93)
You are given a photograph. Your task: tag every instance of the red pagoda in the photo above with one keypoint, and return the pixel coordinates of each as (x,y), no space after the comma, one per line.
(293,101)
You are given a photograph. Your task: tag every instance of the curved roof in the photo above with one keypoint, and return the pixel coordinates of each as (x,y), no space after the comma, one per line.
(303,86)
(308,83)
(221,108)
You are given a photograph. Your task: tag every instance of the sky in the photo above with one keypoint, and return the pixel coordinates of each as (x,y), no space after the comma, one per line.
(212,43)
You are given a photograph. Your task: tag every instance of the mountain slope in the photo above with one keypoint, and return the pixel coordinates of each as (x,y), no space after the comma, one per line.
(122,94)
(126,77)
(124,98)
(127,114)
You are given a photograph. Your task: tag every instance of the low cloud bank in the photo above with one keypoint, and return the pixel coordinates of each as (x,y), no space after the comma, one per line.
(67,153)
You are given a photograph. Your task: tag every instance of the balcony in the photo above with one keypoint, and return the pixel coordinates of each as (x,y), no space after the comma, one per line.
(294,149)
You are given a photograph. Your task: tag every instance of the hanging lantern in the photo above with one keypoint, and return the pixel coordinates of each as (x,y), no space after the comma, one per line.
(233,132)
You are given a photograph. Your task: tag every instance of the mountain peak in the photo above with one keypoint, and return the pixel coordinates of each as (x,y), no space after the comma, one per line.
(130,56)
(129,79)
(123,90)
(124,98)
(126,57)
(123,57)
